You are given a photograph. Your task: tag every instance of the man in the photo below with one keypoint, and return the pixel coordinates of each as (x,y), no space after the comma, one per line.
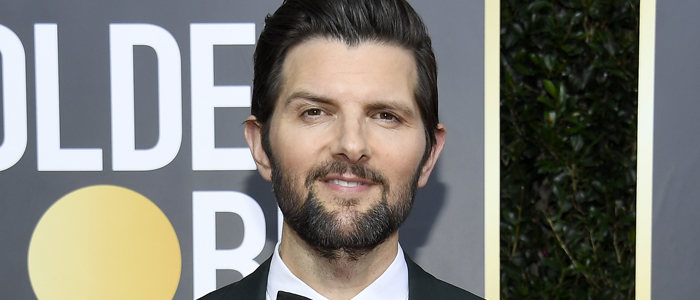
(344,123)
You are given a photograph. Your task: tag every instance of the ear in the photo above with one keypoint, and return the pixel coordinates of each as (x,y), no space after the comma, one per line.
(253,135)
(429,164)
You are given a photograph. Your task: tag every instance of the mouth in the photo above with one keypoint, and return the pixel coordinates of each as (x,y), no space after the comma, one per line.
(343,180)
(347,183)
(344,183)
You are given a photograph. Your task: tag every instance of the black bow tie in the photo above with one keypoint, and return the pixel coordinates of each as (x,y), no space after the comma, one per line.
(281,295)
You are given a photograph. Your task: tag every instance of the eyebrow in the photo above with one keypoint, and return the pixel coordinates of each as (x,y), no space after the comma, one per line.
(379,105)
(308,96)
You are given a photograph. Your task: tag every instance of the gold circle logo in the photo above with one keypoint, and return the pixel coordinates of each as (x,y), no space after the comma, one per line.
(104,242)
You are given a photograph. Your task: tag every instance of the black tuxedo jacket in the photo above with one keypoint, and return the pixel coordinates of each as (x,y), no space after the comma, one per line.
(421,286)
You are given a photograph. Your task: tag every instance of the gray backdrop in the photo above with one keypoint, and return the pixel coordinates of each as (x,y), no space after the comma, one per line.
(444,233)
(676,226)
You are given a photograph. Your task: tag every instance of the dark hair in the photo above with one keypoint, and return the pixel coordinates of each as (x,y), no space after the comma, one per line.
(391,22)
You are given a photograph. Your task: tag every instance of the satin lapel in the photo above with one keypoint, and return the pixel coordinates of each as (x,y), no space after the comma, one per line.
(418,281)
(253,286)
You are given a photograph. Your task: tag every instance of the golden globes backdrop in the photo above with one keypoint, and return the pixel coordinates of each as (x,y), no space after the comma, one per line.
(123,170)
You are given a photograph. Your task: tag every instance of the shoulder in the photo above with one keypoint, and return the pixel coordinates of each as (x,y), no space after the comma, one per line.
(423,285)
(251,287)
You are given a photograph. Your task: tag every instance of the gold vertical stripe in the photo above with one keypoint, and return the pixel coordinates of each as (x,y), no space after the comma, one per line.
(492,150)
(645,148)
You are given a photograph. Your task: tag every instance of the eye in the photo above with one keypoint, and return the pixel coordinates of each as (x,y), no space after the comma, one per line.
(386,116)
(312,112)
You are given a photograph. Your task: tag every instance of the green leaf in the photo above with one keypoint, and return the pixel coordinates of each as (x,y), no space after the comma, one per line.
(558,226)
(559,179)
(522,69)
(536,59)
(598,186)
(578,16)
(550,116)
(617,73)
(550,88)
(558,193)
(577,142)
(519,55)
(632,235)
(509,78)
(566,206)
(546,101)
(536,6)
(562,94)
(511,217)
(549,62)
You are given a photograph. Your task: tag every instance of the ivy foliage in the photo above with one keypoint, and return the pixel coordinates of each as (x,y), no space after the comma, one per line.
(568,148)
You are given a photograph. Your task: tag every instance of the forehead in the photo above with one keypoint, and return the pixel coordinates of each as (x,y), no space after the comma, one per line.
(368,71)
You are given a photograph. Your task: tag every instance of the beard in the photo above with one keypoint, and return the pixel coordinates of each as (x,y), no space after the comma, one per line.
(347,232)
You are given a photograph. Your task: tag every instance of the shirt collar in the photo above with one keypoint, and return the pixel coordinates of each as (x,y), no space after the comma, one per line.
(391,285)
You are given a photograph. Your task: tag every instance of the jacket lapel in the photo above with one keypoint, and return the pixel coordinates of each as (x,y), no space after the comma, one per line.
(418,280)
(254,286)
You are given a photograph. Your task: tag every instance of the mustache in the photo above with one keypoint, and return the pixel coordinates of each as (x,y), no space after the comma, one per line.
(343,167)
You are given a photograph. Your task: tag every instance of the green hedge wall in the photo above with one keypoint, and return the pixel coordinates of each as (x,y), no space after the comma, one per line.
(568,148)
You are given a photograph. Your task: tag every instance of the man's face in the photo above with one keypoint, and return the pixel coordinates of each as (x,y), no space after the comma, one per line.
(347,140)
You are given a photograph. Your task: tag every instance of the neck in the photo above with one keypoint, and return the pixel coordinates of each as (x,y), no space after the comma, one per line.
(342,277)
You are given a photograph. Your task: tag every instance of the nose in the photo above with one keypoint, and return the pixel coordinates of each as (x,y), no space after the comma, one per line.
(351,143)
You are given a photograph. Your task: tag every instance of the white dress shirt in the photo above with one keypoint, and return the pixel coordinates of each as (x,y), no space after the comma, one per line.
(391,285)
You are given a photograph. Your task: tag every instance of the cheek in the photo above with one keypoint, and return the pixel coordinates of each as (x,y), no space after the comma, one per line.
(296,150)
(400,155)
